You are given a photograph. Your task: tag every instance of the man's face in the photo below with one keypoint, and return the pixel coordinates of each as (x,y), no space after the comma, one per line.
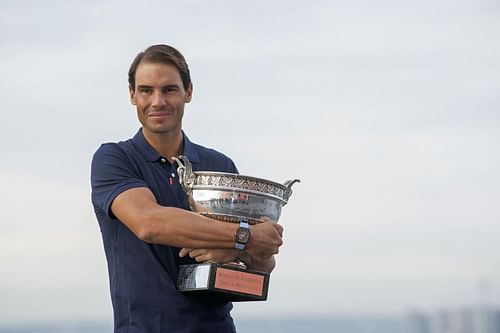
(159,97)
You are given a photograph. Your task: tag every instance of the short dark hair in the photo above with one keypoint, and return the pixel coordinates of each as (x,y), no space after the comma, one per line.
(161,54)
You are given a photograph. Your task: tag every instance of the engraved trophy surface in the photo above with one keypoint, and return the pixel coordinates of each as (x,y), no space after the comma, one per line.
(229,197)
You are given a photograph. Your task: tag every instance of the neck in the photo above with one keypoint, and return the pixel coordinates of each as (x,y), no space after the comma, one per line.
(166,144)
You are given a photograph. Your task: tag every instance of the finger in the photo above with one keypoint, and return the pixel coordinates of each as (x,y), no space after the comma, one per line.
(184,251)
(279,227)
(202,258)
(197,252)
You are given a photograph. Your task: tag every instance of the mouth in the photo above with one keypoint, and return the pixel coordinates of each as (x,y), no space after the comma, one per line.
(158,114)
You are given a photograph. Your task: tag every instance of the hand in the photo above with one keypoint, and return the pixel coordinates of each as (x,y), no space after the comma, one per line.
(217,256)
(265,240)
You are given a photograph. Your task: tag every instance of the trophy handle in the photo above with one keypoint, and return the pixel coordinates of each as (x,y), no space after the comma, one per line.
(288,184)
(185,172)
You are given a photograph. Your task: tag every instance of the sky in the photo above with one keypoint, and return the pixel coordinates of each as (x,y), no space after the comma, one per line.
(388,111)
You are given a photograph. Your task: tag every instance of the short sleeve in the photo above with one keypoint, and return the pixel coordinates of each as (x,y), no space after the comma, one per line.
(232,167)
(111,173)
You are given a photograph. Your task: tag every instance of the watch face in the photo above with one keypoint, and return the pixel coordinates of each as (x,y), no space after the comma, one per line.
(242,235)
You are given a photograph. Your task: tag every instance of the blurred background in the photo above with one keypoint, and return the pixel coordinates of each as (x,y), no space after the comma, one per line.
(388,111)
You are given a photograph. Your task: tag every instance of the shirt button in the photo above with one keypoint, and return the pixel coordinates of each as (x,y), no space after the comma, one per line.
(163,159)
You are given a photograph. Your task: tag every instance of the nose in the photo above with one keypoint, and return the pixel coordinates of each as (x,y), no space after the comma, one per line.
(158,99)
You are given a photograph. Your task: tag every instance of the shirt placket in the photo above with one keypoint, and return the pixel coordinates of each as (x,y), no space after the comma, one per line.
(173,184)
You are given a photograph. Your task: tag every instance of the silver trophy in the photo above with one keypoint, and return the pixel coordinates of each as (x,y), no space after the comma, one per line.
(229,197)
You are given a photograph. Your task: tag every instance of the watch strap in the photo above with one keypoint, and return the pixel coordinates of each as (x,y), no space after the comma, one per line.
(243,225)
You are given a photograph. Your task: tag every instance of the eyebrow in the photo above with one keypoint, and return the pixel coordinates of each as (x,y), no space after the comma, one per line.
(173,85)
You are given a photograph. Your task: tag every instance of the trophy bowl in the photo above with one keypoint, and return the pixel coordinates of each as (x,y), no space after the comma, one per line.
(232,197)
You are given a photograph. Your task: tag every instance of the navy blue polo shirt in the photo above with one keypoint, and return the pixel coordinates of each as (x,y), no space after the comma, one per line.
(142,276)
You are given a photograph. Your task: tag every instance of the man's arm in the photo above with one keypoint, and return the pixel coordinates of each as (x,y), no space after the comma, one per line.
(221,256)
(138,209)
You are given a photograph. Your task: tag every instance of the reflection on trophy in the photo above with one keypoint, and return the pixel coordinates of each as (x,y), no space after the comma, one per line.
(231,198)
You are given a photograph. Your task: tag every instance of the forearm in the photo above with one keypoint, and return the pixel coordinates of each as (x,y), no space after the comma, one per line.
(182,228)
(138,210)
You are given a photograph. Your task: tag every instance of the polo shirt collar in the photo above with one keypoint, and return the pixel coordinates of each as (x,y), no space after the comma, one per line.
(151,155)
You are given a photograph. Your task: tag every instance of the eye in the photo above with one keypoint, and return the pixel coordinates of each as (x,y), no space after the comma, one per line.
(171,89)
(146,90)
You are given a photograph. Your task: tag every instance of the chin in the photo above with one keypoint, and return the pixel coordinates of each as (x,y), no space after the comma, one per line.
(161,129)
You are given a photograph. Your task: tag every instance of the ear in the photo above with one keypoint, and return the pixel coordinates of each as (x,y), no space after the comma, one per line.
(132,94)
(189,93)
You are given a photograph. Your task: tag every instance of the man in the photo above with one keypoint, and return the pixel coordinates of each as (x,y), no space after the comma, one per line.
(144,216)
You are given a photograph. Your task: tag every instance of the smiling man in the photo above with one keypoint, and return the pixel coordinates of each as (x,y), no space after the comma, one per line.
(144,217)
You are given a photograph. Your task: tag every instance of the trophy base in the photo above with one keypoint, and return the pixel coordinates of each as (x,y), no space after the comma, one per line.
(229,282)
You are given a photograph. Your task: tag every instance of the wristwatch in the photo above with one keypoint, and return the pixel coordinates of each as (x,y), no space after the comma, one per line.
(242,235)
